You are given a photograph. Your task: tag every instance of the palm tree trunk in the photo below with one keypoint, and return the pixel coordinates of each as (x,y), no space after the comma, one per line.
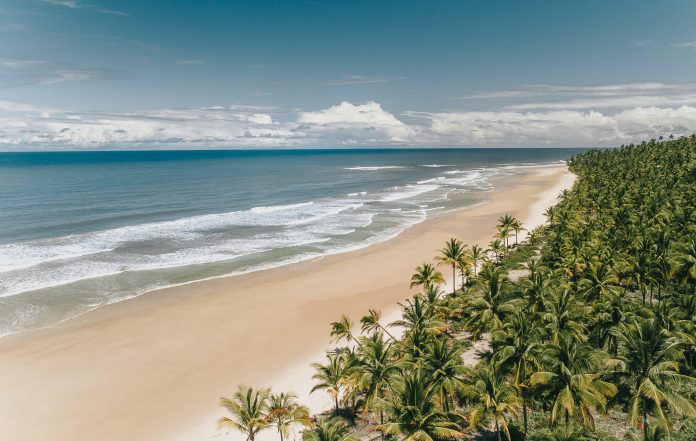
(524,415)
(336,403)
(645,424)
(385,331)
(497,429)
(566,420)
(381,422)
(659,294)
(642,291)
(281,434)
(454,280)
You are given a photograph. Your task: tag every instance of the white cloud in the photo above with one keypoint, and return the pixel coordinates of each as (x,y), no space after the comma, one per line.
(67,3)
(26,126)
(368,122)
(557,128)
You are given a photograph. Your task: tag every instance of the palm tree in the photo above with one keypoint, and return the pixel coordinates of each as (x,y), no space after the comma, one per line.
(432,294)
(535,235)
(249,409)
(487,311)
(651,358)
(451,254)
(331,377)
(607,316)
(515,347)
(370,323)
(478,257)
(426,275)
(505,225)
(516,226)
(537,286)
(503,235)
(342,330)
(377,369)
(572,378)
(498,249)
(464,267)
(639,264)
(413,414)
(684,262)
(420,322)
(598,281)
(564,315)
(335,429)
(284,412)
(442,365)
(495,398)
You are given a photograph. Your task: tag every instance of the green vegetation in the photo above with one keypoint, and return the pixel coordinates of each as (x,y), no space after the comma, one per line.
(593,339)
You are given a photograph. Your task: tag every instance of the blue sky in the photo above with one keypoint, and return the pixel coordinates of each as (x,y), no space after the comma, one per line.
(164,74)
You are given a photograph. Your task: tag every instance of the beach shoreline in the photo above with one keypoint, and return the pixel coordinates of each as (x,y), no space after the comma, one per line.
(154,366)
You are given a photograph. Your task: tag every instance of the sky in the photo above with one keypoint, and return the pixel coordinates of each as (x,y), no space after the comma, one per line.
(122,74)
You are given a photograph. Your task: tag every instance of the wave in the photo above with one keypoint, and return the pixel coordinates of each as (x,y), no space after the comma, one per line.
(16,256)
(436,165)
(408,192)
(275,208)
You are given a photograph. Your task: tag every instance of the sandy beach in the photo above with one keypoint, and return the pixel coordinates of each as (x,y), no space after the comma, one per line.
(154,367)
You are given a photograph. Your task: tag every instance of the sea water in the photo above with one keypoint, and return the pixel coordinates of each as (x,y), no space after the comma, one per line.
(79,230)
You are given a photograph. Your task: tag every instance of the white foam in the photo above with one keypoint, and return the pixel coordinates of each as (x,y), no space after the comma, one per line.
(376,167)
(408,192)
(28,254)
(276,208)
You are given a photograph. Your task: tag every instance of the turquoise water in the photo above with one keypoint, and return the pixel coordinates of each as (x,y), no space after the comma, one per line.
(84,229)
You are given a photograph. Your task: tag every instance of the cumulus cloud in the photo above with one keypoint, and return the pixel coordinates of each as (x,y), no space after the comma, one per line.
(26,126)
(567,128)
(353,123)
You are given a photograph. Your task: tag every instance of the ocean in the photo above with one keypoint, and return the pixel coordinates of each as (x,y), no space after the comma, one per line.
(79,230)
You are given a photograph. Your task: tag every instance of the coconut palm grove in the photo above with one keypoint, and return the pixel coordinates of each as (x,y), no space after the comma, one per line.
(586,330)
